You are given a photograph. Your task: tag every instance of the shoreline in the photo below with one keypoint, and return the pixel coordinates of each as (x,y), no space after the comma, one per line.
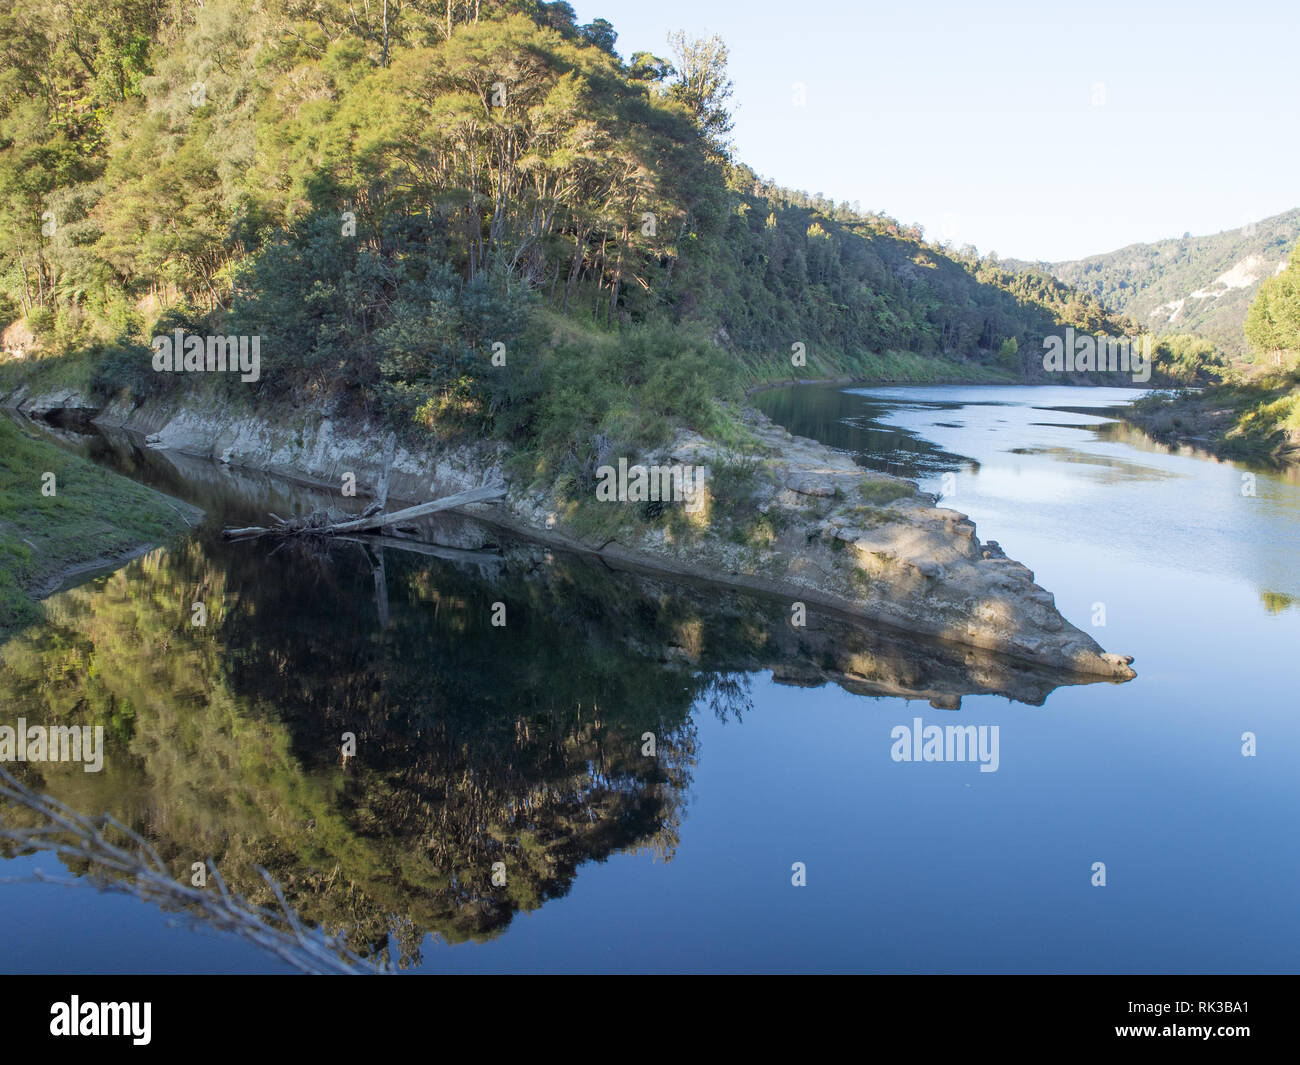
(1284,457)
(868,382)
(621,559)
(80,572)
(76,518)
(810,526)
(876,382)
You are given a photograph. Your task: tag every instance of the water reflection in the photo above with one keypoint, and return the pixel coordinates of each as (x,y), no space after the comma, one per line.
(1045,462)
(855,423)
(524,743)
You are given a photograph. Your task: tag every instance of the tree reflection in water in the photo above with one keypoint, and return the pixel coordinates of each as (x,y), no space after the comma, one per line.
(476,744)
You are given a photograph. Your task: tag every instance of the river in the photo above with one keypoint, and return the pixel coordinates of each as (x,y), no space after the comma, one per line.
(519,749)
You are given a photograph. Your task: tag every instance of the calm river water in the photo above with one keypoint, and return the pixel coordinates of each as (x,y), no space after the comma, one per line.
(521,747)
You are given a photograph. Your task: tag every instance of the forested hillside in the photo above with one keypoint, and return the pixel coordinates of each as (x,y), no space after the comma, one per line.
(1255,413)
(465,212)
(1190,285)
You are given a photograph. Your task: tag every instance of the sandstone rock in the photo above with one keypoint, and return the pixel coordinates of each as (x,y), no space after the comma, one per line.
(810,485)
(926,567)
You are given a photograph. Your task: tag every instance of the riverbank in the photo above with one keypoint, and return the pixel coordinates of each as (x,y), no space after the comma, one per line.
(779,514)
(61,515)
(891,370)
(1255,421)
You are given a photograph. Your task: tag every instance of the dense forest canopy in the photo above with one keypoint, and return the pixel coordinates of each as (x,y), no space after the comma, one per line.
(389,193)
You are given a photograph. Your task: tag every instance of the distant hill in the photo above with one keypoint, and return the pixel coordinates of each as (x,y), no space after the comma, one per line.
(1200,285)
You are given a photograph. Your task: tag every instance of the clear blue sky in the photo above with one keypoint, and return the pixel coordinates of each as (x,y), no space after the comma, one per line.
(1038,130)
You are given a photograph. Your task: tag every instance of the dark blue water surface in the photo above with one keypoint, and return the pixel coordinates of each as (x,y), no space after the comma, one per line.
(522,744)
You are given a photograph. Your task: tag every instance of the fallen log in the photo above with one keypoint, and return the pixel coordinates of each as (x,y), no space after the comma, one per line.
(488,493)
(485,494)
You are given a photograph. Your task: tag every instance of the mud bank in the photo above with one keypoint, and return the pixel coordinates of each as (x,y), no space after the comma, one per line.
(808,524)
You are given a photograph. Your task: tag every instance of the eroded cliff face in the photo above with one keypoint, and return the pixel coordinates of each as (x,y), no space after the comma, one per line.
(809,524)
(870,545)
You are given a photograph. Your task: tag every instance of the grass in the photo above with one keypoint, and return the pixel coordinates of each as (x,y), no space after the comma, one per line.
(594,520)
(882,492)
(1248,419)
(50,373)
(900,367)
(871,516)
(92,514)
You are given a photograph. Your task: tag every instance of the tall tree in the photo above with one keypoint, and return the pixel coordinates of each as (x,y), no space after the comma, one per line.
(702,83)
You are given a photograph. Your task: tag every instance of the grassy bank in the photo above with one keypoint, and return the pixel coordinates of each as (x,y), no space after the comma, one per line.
(50,374)
(93,514)
(893,367)
(1255,420)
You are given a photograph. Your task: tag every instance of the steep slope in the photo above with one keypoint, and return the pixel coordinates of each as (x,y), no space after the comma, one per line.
(383,204)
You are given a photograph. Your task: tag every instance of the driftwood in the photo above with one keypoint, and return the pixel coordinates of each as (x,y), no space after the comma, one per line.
(318,524)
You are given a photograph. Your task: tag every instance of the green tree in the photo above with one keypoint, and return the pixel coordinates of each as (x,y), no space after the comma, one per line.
(600,32)
(702,82)
(1273,322)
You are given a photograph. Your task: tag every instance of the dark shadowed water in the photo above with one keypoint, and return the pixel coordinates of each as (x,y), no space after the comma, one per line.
(522,745)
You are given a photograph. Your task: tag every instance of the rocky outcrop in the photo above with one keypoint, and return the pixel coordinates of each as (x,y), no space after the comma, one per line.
(873,547)
(60,406)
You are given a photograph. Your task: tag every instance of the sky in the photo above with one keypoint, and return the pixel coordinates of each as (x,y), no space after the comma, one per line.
(1038,130)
